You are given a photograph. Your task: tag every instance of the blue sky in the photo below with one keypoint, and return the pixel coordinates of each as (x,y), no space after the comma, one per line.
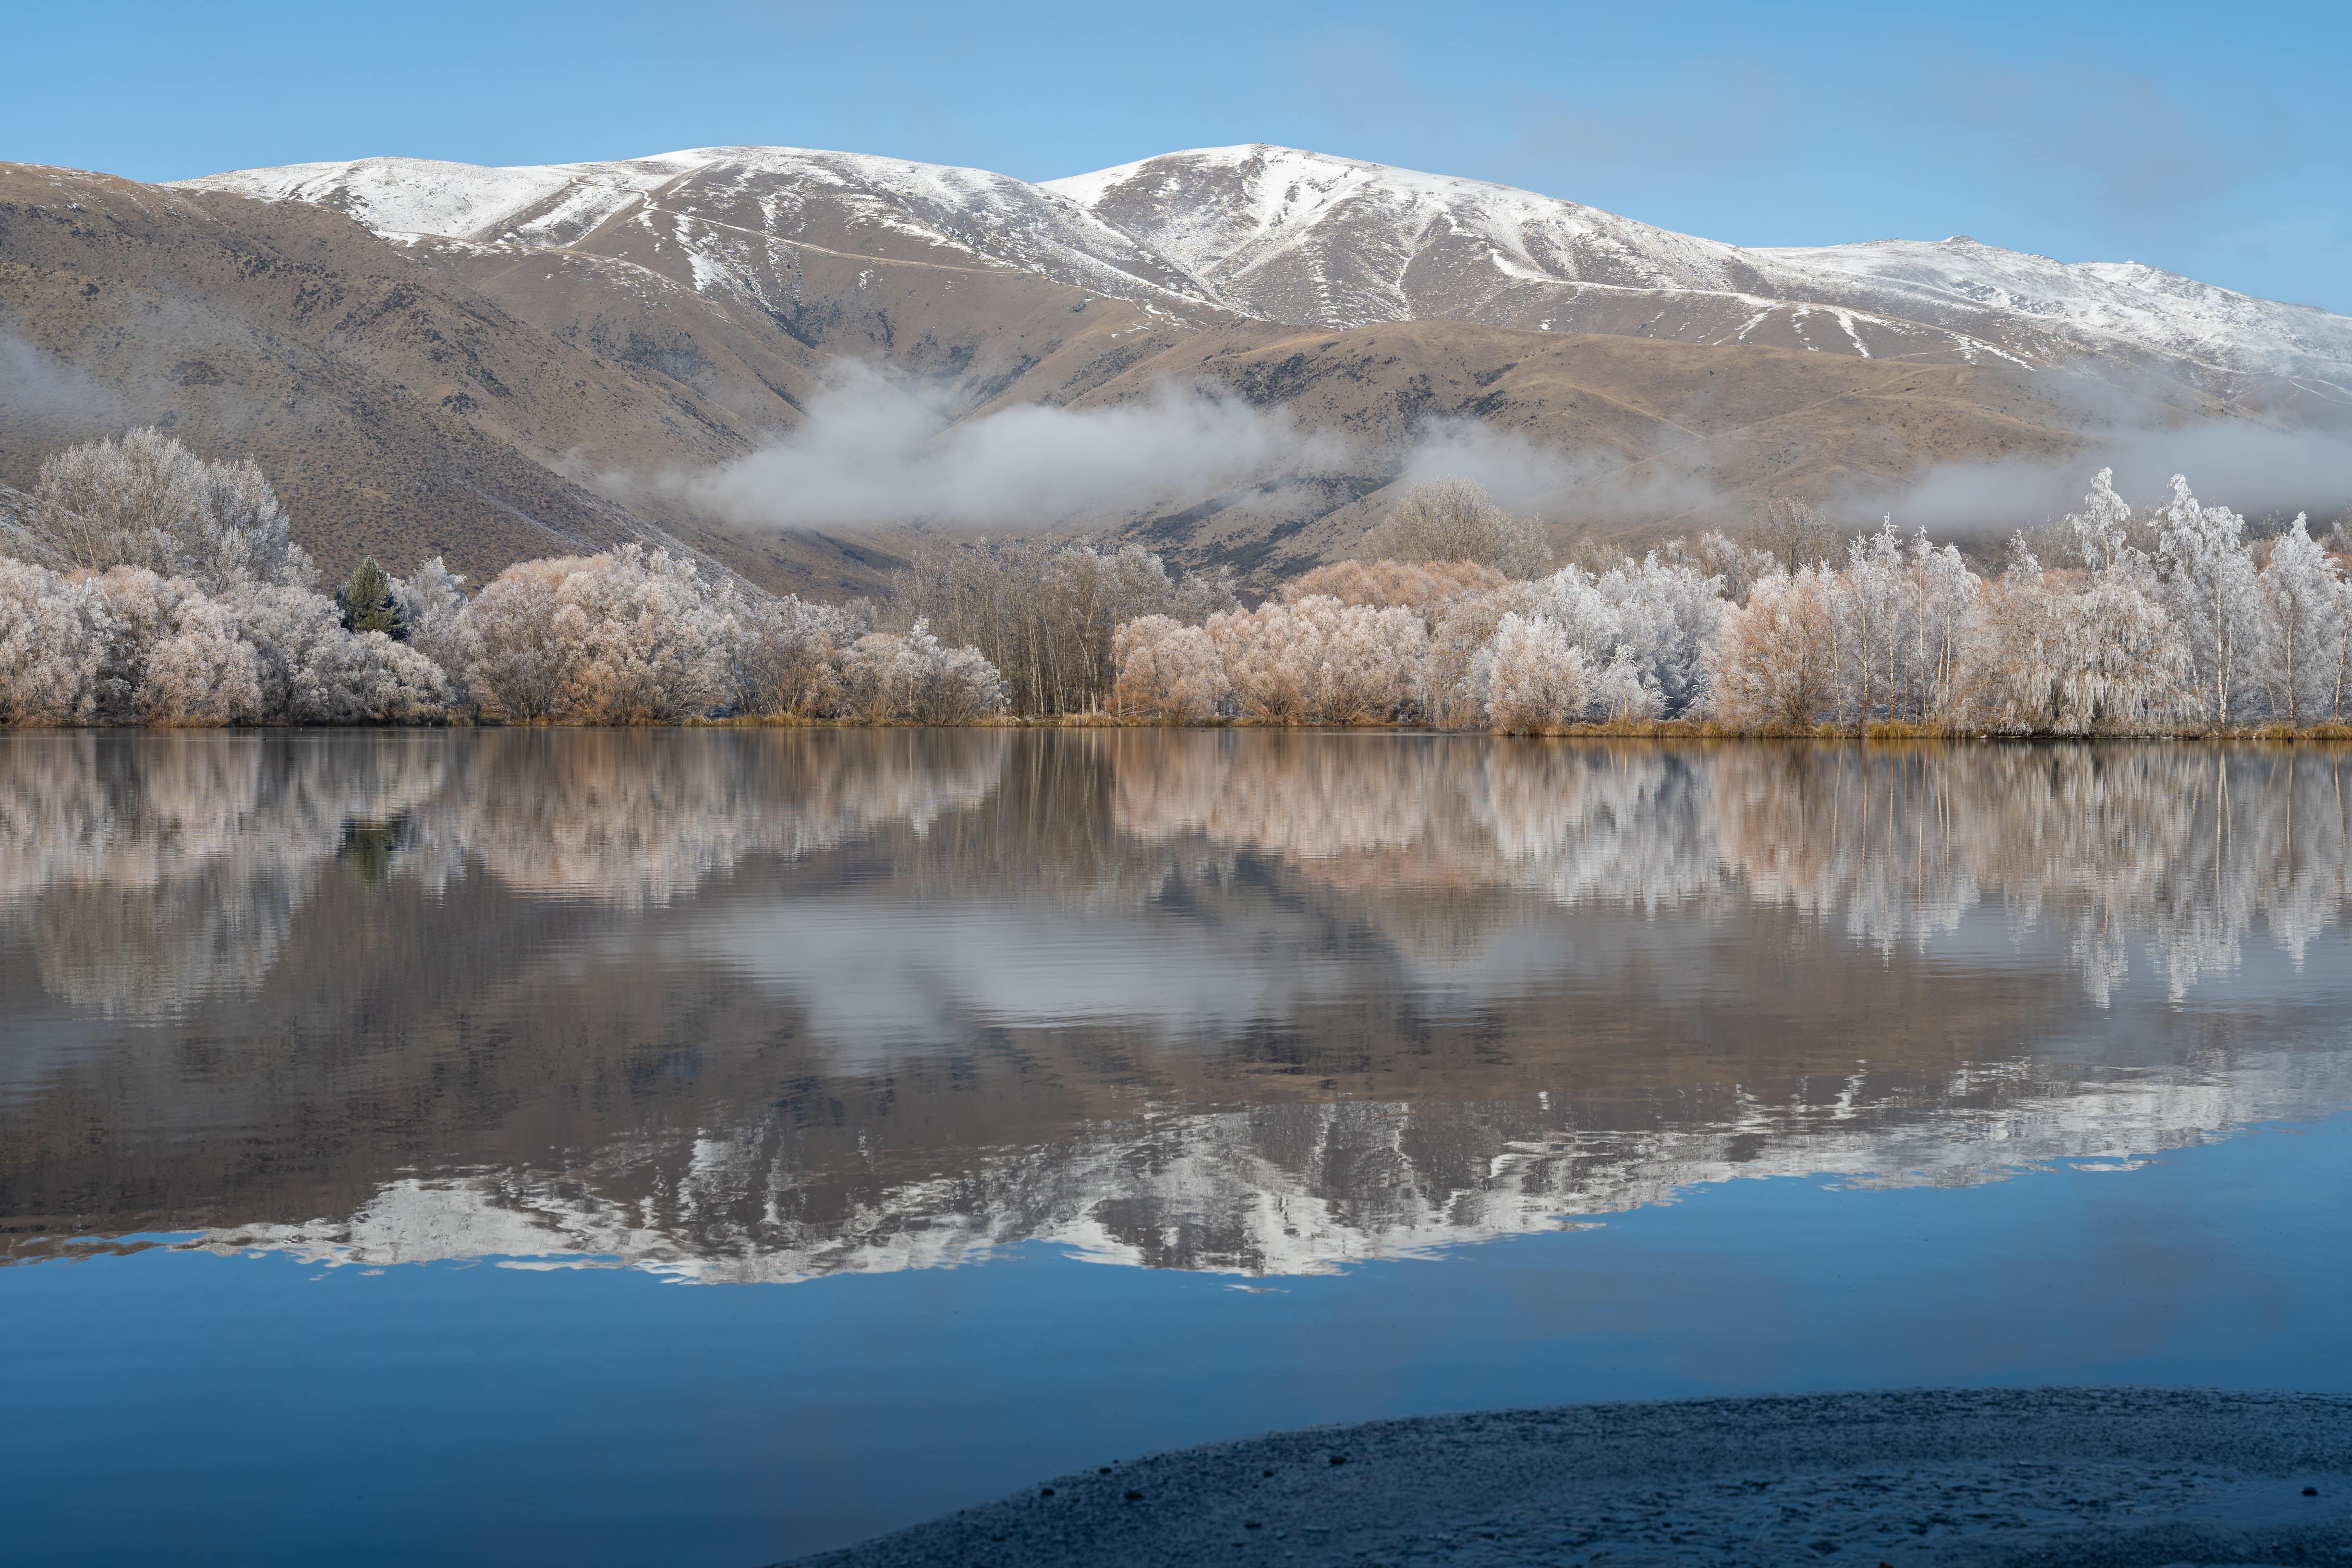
(2204,139)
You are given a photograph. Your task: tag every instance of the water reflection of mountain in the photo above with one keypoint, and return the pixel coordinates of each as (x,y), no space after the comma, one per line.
(1273,1190)
(774,1004)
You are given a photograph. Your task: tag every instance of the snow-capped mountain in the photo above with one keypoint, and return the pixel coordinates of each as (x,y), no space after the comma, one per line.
(595,330)
(1305,238)
(727,220)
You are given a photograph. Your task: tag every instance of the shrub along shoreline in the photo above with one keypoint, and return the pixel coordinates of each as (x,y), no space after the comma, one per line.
(1879,733)
(143,585)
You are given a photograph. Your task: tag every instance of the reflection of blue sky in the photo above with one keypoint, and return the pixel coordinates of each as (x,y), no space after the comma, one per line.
(745,1426)
(488,1331)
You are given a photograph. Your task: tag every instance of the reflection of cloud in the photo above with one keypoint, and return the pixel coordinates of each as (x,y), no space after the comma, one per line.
(1255,1001)
(876,976)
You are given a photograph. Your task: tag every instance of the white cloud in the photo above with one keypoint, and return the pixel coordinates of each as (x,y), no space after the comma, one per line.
(879,450)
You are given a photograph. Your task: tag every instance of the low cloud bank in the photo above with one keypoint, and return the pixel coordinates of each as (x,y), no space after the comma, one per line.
(1594,484)
(877,450)
(33,382)
(2252,469)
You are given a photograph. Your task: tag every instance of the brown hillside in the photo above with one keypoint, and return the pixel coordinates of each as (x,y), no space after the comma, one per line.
(399,412)
(1677,434)
(501,395)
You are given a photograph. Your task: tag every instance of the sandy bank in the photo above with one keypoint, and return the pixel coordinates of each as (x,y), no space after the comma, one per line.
(2052,1478)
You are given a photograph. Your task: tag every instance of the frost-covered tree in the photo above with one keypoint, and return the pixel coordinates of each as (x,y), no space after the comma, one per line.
(650,641)
(1426,587)
(2302,604)
(368,679)
(1871,608)
(1571,599)
(1718,556)
(293,632)
(312,671)
(1452,520)
(137,610)
(790,656)
(1622,692)
(1452,696)
(205,673)
(2210,587)
(1775,662)
(2340,684)
(1534,676)
(517,661)
(1320,661)
(53,645)
(917,677)
(2075,653)
(147,501)
(1166,670)
(1662,612)
(1667,617)
(1798,536)
(1943,598)
(432,601)
(2101,533)
(627,637)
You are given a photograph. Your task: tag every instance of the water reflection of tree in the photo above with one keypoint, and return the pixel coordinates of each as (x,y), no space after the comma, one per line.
(2180,849)
(634,818)
(1731,968)
(209,844)
(153,871)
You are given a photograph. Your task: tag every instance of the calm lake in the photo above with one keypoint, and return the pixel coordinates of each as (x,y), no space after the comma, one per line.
(709,1146)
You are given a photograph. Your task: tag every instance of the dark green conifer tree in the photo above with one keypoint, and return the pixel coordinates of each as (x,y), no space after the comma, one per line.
(366,600)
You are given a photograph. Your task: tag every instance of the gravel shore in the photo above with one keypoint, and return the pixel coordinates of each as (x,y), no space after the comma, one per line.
(2036,1477)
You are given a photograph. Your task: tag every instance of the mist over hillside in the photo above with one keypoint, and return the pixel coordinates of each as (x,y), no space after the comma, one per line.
(797,364)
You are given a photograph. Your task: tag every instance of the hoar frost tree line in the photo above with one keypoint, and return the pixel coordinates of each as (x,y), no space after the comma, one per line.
(165,589)
(145,585)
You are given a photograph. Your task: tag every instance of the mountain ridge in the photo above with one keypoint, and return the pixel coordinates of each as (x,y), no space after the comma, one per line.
(1544,249)
(1286,236)
(654,318)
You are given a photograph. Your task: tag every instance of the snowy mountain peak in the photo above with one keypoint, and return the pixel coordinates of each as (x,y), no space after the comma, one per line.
(1308,238)
(720,219)
(1305,238)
